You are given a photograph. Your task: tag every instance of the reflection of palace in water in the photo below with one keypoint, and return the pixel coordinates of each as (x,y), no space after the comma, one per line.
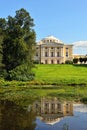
(52,110)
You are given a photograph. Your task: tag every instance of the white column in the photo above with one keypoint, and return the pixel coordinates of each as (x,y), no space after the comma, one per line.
(55,52)
(62,51)
(49,107)
(43,52)
(49,52)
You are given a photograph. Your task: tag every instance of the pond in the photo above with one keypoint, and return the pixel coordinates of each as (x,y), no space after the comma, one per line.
(43,114)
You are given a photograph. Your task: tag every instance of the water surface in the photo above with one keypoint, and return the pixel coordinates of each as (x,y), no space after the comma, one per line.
(43,114)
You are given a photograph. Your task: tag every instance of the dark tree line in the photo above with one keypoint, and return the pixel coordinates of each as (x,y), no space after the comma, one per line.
(17,41)
(81,60)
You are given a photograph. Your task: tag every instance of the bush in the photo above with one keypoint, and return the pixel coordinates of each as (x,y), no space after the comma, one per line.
(68,62)
(20,73)
(75,60)
(36,62)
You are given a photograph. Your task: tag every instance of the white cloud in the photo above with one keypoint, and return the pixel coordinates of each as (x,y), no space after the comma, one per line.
(80,44)
(80,107)
(80,47)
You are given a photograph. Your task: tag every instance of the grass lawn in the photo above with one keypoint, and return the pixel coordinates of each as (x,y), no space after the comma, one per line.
(61,74)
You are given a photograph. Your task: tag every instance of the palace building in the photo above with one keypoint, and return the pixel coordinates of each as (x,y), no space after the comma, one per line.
(51,50)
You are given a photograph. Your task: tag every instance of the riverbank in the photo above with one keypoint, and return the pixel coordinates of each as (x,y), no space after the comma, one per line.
(22,93)
(66,82)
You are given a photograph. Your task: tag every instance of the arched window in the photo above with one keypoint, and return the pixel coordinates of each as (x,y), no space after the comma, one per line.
(51,61)
(46,62)
(58,62)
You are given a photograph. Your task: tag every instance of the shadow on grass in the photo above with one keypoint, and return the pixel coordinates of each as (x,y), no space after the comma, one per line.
(80,65)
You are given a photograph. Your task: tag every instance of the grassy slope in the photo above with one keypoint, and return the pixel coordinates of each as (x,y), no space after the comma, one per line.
(58,74)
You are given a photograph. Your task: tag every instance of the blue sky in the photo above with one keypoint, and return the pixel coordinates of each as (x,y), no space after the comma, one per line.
(64,19)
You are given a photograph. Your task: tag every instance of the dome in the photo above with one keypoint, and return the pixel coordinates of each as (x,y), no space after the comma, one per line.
(51,39)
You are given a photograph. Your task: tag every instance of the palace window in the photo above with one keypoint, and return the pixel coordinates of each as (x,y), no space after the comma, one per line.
(46,105)
(58,54)
(57,61)
(51,61)
(52,106)
(47,40)
(51,54)
(59,106)
(45,54)
(51,47)
(45,61)
(67,54)
(45,47)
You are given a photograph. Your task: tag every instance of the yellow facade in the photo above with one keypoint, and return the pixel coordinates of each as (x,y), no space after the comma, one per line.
(51,50)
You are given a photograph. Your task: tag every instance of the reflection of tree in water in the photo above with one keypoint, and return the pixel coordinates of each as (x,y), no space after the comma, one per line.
(13,117)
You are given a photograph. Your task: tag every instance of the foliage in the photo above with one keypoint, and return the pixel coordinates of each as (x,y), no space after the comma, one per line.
(75,60)
(17,45)
(2,28)
(21,73)
(36,62)
(81,60)
(68,62)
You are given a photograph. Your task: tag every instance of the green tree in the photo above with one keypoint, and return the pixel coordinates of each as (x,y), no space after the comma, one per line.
(68,62)
(2,34)
(81,60)
(75,60)
(18,46)
(85,59)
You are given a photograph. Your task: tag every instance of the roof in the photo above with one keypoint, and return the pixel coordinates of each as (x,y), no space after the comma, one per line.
(50,39)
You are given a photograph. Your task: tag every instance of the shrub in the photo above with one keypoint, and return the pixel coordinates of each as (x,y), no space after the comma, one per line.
(20,73)
(36,62)
(68,62)
(75,60)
